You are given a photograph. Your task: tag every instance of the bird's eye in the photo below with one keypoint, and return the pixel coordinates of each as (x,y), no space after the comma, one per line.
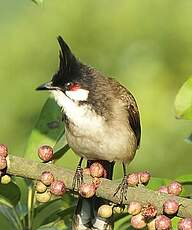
(73,86)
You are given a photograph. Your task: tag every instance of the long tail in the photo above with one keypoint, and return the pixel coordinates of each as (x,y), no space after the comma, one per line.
(85,216)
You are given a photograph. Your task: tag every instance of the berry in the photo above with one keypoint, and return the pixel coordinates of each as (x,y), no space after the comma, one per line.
(132,179)
(118,209)
(47,178)
(6,179)
(3,162)
(163,189)
(149,212)
(185,224)
(105,211)
(134,208)
(144,177)
(3,150)
(162,223)
(138,221)
(43,197)
(96,169)
(57,188)
(40,187)
(151,225)
(86,171)
(45,153)
(175,188)
(87,190)
(170,207)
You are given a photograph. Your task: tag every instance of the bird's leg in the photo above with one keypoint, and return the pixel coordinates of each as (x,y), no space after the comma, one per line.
(123,186)
(78,177)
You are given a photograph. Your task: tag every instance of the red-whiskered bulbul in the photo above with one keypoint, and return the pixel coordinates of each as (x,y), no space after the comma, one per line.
(102,122)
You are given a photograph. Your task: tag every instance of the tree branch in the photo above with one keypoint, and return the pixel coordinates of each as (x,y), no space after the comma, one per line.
(21,167)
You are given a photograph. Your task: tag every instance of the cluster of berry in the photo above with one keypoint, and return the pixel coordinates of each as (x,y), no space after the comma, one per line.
(47,184)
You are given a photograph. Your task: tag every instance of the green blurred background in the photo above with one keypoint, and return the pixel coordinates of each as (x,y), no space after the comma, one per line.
(146,45)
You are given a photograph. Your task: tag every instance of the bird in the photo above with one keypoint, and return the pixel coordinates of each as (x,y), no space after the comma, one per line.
(101,116)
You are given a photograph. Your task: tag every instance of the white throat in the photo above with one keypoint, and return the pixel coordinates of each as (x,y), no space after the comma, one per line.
(78,95)
(81,115)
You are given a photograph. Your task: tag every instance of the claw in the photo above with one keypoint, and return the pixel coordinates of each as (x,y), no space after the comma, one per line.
(122,190)
(77,179)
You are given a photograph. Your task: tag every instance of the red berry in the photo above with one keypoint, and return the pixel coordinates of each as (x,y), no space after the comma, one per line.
(134,208)
(163,189)
(149,212)
(87,190)
(185,224)
(144,177)
(162,223)
(175,188)
(3,150)
(96,169)
(47,178)
(138,221)
(57,188)
(45,153)
(170,207)
(133,179)
(3,162)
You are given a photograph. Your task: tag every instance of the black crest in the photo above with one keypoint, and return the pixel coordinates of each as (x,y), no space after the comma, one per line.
(68,62)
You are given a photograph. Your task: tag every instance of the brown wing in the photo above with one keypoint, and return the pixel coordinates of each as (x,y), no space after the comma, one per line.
(134,117)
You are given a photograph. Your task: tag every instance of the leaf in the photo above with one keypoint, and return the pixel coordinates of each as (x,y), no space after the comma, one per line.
(189,139)
(61,143)
(185,178)
(48,129)
(61,147)
(37,1)
(9,214)
(183,101)
(175,222)
(9,194)
(49,212)
(155,183)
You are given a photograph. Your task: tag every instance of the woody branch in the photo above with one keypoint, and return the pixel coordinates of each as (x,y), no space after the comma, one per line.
(21,167)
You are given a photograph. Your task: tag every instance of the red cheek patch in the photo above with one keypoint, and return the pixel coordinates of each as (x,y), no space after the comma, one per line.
(74,86)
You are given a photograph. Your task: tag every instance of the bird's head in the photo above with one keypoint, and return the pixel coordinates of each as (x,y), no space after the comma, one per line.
(70,78)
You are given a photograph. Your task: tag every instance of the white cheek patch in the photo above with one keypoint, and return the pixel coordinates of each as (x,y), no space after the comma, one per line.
(78,95)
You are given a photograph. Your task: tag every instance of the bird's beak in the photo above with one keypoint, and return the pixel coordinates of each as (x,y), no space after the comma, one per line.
(46,86)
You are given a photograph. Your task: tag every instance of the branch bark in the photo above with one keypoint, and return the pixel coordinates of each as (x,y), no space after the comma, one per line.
(21,167)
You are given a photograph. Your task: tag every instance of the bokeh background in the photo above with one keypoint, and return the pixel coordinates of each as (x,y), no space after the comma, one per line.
(146,45)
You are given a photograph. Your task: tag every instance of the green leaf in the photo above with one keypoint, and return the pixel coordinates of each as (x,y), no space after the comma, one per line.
(184,178)
(183,101)
(37,1)
(53,210)
(189,139)
(9,194)
(155,183)
(175,222)
(48,129)
(60,148)
(10,214)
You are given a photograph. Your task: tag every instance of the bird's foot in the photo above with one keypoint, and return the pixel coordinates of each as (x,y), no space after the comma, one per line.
(77,179)
(122,190)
